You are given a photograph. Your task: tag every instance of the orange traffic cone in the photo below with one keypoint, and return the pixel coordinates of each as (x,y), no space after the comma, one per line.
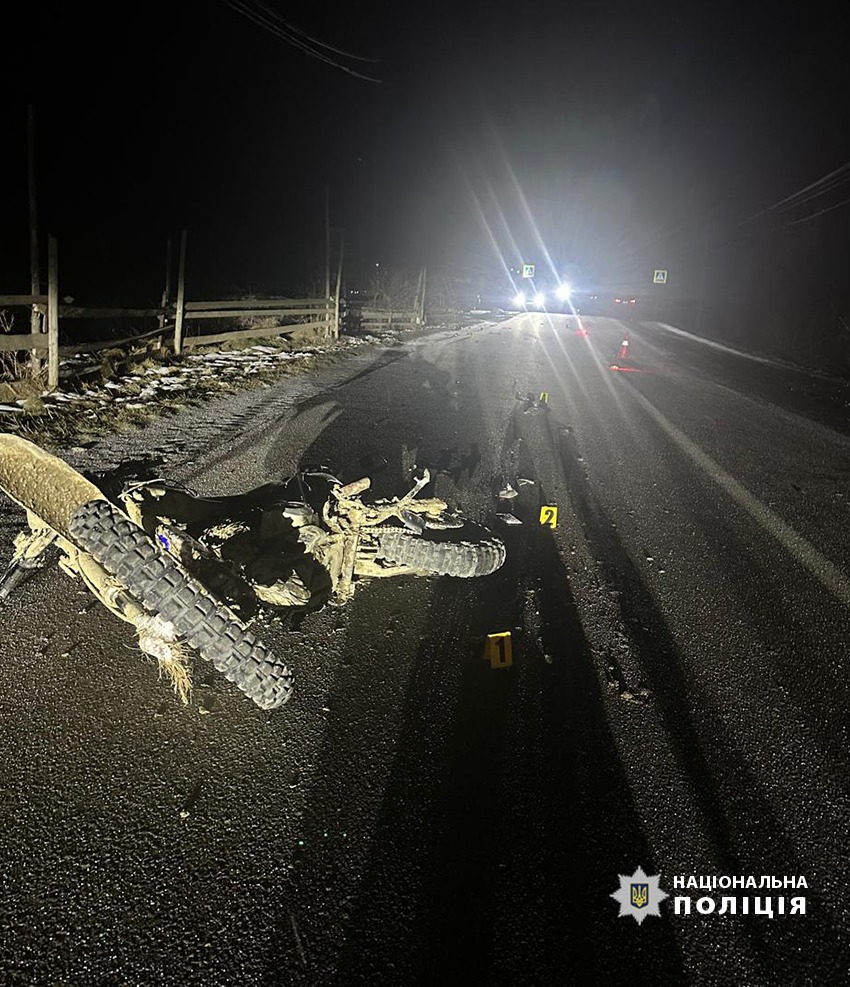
(623,353)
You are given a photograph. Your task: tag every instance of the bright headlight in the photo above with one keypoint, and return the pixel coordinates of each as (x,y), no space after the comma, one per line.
(564,291)
(519,299)
(539,299)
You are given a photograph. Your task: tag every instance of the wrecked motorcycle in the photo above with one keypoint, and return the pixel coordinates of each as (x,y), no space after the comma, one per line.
(167,558)
(309,540)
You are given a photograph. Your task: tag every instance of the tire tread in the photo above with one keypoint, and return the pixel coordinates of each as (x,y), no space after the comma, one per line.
(158,582)
(448,557)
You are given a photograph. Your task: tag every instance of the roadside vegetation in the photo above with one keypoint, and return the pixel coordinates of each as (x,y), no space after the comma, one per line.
(122,389)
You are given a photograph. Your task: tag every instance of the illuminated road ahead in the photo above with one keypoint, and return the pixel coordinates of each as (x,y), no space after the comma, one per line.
(678,699)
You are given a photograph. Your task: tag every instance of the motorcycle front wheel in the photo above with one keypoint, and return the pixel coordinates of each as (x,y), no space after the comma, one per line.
(461,552)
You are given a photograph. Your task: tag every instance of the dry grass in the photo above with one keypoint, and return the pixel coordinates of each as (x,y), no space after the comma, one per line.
(158,639)
(177,670)
(34,406)
(83,422)
(14,390)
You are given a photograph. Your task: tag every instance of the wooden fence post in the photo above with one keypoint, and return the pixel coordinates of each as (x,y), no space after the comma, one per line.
(421,312)
(181,297)
(52,313)
(338,283)
(416,298)
(327,242)
(166,291)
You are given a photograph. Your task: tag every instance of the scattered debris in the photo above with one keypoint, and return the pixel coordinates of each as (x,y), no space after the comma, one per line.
(301,954)
(509,518)
(641,695)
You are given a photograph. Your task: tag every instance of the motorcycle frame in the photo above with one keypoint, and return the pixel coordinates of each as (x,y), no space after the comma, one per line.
(348,553)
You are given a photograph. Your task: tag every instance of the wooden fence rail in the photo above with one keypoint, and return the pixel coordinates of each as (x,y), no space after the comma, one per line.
(235,313)
(14,301)
(256,303)
(319,314)
(373,319)
(323,312)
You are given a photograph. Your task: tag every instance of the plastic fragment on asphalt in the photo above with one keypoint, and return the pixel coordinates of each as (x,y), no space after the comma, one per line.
(522,481)
(508,493)
(509,518)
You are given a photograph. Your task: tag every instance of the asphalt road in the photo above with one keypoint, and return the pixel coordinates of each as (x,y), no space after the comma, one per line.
(678,698)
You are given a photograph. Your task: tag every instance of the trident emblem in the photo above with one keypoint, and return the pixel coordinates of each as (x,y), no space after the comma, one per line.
(640,895)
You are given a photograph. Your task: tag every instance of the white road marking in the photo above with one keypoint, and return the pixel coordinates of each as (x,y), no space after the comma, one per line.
(830,576)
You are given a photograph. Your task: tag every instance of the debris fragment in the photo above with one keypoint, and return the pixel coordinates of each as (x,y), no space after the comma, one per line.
(298,941)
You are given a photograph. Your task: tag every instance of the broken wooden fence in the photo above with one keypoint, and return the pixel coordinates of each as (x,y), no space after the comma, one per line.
(377,320)
(319,314)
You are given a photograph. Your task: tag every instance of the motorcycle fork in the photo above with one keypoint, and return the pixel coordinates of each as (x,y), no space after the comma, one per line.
(350,544)
(30,553)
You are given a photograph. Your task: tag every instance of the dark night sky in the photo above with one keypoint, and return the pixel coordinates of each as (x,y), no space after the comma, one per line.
(626,134)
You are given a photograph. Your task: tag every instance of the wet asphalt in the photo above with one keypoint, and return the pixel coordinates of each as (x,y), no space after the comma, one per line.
(677,698)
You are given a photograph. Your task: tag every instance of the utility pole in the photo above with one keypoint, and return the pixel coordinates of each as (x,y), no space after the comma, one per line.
(35,274)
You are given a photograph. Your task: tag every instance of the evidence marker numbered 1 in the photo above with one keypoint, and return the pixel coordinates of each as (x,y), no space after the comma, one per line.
(498,650)
(549,515)
(544,397)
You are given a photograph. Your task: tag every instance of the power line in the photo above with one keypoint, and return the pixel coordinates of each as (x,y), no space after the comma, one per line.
(271,22)
(316,41)
(828,183)
(814,215)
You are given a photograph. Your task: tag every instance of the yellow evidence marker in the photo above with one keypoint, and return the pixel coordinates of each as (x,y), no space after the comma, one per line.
(544,397)
(498,650)
(549,515)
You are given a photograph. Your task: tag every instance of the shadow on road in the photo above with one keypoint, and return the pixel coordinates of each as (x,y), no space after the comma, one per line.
(503,815)
(505,848)
(724,788)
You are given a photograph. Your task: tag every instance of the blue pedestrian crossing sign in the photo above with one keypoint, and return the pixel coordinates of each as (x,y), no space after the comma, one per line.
(659,277)
(528,270)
